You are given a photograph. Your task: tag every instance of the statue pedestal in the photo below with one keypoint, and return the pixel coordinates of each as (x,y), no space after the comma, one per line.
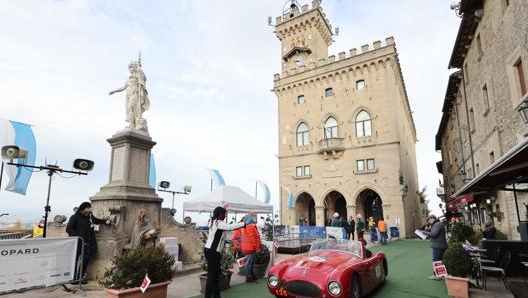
(126,193)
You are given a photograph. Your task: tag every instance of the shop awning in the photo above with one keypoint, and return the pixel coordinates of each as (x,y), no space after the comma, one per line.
(510,168)
(460,201)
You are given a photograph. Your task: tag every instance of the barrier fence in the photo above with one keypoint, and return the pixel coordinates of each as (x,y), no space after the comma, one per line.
(37,262)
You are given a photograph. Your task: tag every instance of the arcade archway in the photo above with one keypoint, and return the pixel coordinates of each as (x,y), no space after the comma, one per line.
(370,204)
(334,202)
(305,209)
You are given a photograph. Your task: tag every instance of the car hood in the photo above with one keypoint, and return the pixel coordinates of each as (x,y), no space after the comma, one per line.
(319,266)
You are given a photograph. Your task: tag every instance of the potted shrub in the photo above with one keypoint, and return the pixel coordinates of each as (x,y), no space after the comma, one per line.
(126,275)
(459,265)
(460,233)
(262,259)
(226,263)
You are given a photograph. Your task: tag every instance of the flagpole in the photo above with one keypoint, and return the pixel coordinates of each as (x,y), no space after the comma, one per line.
(1,174)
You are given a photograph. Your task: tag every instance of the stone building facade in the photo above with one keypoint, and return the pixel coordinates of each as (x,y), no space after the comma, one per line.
(346,132)
(481,119)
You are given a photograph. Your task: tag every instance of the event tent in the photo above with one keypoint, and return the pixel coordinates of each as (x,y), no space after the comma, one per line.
(232,197)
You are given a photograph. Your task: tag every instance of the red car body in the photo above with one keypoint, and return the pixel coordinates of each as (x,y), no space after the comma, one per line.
(346,267)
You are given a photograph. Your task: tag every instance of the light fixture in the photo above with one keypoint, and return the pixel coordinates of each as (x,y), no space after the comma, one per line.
(14,152)
(523,109)
(163,185)
(456,7)
(488,201)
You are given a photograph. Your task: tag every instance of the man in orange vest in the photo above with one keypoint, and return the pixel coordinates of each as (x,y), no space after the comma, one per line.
(250,244)
(382,229)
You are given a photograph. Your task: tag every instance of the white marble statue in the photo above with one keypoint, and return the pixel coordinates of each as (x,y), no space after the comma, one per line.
(137,100)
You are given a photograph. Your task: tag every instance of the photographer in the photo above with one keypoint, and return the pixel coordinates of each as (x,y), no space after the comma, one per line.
(81,224)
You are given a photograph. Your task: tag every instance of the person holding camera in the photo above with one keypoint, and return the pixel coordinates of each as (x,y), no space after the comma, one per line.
(81,224)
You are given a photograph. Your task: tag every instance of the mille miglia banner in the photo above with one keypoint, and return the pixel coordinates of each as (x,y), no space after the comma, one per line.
(36,262)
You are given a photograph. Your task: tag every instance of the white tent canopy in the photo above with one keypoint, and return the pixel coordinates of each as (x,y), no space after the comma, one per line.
(233,197)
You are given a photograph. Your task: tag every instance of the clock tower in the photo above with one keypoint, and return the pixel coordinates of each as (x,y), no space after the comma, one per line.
(346,143)
(305,34)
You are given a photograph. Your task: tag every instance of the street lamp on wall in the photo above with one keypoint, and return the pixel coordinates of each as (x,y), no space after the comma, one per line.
(164,185)
(14,152)
(523,109)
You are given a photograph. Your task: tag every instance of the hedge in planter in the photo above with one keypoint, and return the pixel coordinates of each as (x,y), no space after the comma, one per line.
(129,270)
(457,260)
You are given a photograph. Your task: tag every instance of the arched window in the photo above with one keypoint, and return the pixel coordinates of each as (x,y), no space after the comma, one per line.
(303,138)
(331,128)
(363,124)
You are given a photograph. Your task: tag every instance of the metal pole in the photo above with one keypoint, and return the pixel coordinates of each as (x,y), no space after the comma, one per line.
(1,174)
(173,193)
(47,208)
(516,204)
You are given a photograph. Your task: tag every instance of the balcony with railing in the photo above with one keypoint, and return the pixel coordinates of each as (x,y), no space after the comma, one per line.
(331,146)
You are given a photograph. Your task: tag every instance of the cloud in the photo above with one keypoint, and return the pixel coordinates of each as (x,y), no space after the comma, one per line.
(209,66)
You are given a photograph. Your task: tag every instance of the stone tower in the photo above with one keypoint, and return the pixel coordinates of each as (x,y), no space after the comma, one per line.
(346,133)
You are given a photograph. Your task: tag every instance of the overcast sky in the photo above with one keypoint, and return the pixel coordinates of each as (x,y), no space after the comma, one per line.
(209,67)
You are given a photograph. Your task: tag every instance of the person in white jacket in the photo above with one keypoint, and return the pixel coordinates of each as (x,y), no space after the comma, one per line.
(213,249)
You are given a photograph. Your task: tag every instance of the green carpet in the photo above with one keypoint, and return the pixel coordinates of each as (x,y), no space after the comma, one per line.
(409,266)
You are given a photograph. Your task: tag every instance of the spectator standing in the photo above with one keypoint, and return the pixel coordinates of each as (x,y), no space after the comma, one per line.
(236,239)
(372,229)
(81,224)
(382,229)
(360,226)
(38,230)
(336,222)
(437,232)
(213,249)
(351,227)
(250,243)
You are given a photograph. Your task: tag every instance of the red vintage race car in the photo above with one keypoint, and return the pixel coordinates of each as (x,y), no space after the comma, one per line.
(332,268)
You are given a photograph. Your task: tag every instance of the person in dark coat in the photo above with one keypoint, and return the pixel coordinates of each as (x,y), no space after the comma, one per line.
(436,230)
(490,231)
(351,227)
(81,224)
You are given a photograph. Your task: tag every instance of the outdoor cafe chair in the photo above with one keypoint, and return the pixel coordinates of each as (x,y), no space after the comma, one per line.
(500,270)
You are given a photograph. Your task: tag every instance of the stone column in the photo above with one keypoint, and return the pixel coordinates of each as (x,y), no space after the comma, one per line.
(126,193)
(319,215)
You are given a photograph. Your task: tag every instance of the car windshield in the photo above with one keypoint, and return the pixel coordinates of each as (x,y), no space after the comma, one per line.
(351,246)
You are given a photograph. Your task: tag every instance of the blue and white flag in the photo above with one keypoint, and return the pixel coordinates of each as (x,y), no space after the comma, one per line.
(216,178)
(152,172)
(21,135)
(291,199)
(266,191)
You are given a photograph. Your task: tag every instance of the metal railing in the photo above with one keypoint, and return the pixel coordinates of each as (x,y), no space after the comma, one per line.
(14,235)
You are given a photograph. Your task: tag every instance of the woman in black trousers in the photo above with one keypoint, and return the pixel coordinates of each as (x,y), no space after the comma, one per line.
(213,250)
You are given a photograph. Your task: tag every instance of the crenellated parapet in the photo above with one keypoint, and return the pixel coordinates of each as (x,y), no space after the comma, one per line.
(295,21)
(369,56)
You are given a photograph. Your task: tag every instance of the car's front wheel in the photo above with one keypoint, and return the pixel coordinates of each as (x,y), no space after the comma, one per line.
(355,289)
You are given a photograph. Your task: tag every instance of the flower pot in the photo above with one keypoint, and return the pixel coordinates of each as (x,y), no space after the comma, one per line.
(224,281)
(457,286)
(158,290)
(259,270)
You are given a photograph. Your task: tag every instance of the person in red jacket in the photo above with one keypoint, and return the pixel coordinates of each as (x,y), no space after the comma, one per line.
(250,244)
(235,241)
